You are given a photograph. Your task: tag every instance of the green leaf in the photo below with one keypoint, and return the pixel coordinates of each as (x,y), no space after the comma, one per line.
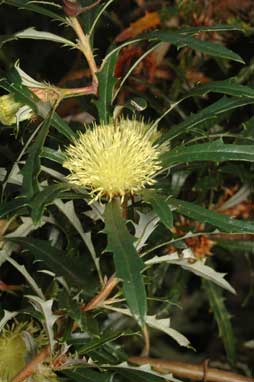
(53,155)
(206,47)
(7,316)
(143,373)
(25,96)
(96,343)
(32,33)
(44,198)
(198,267)
(106,86)
(127,262)
(160,324)
(222,318)
(160,206)
(29,6)
(32,167)
(228,87)
(46,308)
(86,374)
(236,246)
(215,151)
(211,114)
(211,28)
(203,215)
(72,268)
(12,206)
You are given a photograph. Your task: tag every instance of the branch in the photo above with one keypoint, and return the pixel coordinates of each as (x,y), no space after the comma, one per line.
(193,372)
(31,367)
(101,296)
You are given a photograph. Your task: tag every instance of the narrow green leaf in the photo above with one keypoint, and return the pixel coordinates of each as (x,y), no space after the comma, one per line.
(53,155)
(127,262)
(12,206)
(198,267)
(215,151)
(32,167)
(30,6)
(44,198)
(162,324)
(46,308)
(228,87)
(222,318)
(160,206)
(32,33)
(204,215)
(25,96)
(237,246)
(211,28)
(73,269)
(206,47)
(106,86)
(86,374)
(211,114)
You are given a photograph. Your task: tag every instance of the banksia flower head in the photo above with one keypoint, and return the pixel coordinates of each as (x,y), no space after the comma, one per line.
(17,342)
(115,159)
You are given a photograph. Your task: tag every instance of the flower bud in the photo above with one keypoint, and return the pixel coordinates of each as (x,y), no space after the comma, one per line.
(10,109)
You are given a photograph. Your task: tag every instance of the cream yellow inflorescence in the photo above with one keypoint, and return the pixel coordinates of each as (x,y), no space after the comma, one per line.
(115,159)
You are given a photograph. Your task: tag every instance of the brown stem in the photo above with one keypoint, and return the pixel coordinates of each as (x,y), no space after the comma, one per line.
(146,349)
(85,47)
(88,7)
(30,368)
(101,296)
(192,372)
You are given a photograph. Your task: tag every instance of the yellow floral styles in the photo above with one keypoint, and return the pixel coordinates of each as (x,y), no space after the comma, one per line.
(115,159)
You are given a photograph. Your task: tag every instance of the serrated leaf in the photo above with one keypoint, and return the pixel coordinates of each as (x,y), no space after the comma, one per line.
(222,318)
(197,267)
(32,33)
(71,268)
(142,373)
(203,215)
(228,87)
(45,307)
(28,98)
(22,269)
(6,317)
(215,151)
(211,114)
(96,343)
(32,167)
(159,324)
(44,198)
(69,211)
(147,223)
(206,47)
(127,262)
(210,28)
(236,246)
(160,206)
(29,6)
(53,155)
(12,206)
(86,374)
(106,86)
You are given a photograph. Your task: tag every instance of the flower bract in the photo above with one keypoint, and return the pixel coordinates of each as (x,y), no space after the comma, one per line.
(115,159)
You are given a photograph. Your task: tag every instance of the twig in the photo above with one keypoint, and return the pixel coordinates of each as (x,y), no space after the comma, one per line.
(192,372)
(101,296)
(30,368)
(146,349)
(84,46)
